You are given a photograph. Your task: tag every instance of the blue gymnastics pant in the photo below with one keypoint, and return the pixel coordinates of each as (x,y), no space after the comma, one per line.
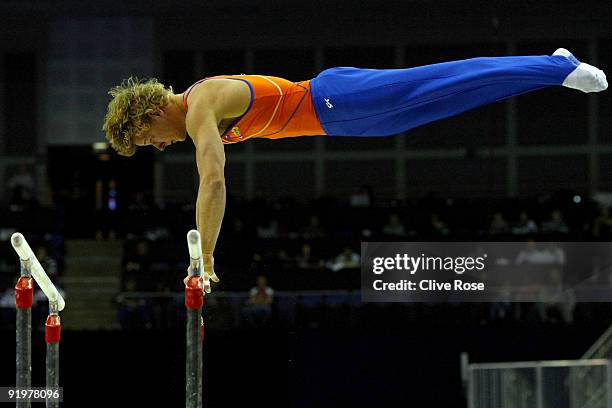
(380,102)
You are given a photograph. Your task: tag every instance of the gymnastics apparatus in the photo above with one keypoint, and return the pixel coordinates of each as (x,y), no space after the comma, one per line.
(31,270)
(24,295)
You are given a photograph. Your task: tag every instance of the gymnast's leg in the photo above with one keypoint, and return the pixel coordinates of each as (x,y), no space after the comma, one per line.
(368,102)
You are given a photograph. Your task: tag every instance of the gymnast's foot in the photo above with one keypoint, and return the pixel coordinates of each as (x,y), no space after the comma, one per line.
(585,77)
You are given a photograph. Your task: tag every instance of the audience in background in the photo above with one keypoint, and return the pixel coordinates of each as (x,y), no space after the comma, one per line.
(21,186)
(261,297)
(525,225)
(439,227)
(301,254)
(137,269)
(557,302)
(602,227)
(313,230)
(239,229)
(268,229)
(306,259)
(138,202)
(541,254)
(556,224)
(362,198)
(394,227)
(348,259)
(499,225)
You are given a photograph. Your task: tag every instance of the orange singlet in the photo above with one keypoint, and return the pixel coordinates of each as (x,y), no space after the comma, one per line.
(279,108)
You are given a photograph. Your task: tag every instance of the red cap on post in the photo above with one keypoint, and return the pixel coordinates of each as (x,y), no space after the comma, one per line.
(24,292)
(194,295)
(53,327)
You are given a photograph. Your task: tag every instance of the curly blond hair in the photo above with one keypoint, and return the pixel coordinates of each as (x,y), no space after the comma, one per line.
(130,111)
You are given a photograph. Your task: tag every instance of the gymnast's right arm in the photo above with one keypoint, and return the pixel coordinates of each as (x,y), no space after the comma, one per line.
(201,123)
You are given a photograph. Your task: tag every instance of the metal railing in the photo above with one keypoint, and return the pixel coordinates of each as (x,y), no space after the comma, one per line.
(586,396)
(602,348)
(539,384)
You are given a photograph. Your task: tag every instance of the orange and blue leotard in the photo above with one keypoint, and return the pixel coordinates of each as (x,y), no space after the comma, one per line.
(279,108)
(348,101)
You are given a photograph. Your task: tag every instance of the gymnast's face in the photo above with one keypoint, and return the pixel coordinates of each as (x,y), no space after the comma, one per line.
(162,132)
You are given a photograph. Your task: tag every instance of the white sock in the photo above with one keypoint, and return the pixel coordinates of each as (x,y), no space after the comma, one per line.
(585,77)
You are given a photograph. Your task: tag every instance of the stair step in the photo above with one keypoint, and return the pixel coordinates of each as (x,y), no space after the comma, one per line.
(88,259)
(92,279)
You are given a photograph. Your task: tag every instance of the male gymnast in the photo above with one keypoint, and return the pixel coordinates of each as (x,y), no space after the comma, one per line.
(341,101)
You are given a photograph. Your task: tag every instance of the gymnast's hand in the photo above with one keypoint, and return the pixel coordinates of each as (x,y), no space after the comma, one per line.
(209,272)
(207,265)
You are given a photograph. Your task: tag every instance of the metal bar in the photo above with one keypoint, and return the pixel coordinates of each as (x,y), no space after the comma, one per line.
(543,364)
(471,384)
(464,360)
(52,337)
(539,387)
(194,359)
(21,246)
(24,352)
(194,301)
(200,358)
(52,362)
(24,292)
(609,384)
(603,339)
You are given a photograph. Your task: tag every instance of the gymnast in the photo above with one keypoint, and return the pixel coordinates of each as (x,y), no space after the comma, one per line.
(342,101)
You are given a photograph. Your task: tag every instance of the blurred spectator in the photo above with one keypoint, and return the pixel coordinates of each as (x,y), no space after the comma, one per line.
(306,260)
(268,230)
(238,229)
(534,255)
(7,299)
(556,224)
(139,202)
(502,308)
(556,302)
(313,230)
(394,227)
(346,260)
(137,269)
(260,301)
(261,294)
(362,198)
(542,262)
(132,312)
(499,225)
(525,225)
(284,258)
(7,308)
(21,186)
(602,227)
(438,226)
(157,234)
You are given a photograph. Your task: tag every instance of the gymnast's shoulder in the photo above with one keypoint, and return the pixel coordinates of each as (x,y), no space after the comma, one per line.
(221,99)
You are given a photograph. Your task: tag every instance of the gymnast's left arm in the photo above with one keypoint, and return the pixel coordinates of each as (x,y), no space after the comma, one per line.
(210,204)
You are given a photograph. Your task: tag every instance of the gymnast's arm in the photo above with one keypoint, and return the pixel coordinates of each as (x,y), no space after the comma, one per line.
(201,124)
